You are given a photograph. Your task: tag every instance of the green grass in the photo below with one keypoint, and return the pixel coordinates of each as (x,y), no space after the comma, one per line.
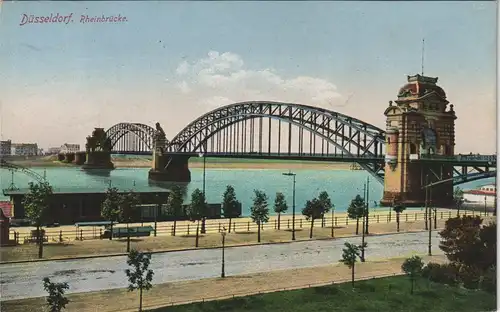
(384,294)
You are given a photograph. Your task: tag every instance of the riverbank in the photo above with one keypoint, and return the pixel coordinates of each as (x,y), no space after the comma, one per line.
(211,163)
(188,291)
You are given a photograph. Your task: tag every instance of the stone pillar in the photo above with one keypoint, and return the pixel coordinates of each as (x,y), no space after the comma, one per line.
(170,168)
(69,157)
(80,158)
(98,160)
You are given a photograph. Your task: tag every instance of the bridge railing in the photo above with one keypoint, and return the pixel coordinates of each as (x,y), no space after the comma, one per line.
(459,157)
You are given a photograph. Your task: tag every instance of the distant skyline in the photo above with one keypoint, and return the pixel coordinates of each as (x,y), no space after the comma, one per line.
(174,61)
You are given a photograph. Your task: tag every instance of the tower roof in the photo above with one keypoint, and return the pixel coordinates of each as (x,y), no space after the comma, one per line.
(419,86)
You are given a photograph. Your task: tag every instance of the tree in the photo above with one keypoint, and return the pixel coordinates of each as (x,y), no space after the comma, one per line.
(350,256)
(412,267)
(56,300)
(314,210)
(36,206)
(458,198)
(174,204)
(356,210)
(196,210)
(140,276)
(466,243)
(110,207)
(280,206)
(398,209)
(230,206)
(326,202)
(259,210)
(129,211)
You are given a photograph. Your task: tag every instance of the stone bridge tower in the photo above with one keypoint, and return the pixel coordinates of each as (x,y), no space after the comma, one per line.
(419,123)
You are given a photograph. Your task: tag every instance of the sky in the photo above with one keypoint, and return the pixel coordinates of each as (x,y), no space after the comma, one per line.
(172,61)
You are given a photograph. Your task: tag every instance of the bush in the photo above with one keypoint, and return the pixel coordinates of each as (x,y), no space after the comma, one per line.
(470,277)
(441,273)
(489,283)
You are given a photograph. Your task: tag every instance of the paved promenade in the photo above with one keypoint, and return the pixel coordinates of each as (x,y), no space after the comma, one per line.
(25,280)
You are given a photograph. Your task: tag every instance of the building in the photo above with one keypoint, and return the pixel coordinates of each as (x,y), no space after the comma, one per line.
(53,150)
(24,149)
(420,123)
(5,148)
(69,207)
(484,195)
(69,148)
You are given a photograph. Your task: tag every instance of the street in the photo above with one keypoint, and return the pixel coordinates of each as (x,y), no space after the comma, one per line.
(24,280)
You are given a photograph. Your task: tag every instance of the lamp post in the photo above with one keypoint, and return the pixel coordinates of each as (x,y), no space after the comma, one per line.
(291,174)
(362,258)
(333,223)
(367,204)
(426,199)
(485,206)
(429,251)
(204,176)
(158,205)
(223,234)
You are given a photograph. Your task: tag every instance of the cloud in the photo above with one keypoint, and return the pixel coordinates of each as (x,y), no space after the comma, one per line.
(223,76)
(182,68)
(216,101)
(184,87)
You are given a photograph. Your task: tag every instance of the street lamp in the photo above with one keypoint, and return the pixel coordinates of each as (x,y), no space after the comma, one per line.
(485,206)
(291,174)
(223,234)
(430,204)
(363,225)
(333,223)
(158,205)
(204,176)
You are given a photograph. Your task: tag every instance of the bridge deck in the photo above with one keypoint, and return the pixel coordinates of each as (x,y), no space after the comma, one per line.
(456,161)
(286,156)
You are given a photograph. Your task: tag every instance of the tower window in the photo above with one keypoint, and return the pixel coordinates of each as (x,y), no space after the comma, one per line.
(413,148)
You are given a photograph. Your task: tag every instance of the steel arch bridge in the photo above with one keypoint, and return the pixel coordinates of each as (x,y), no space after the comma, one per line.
(275,130)
(131,138)
(264,129)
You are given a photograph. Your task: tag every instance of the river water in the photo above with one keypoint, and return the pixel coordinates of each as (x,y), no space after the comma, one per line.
(342,185)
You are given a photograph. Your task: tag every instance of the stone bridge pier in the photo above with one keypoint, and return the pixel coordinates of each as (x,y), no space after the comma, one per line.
(170,168)
(80,158)
(98,160)
(98,150)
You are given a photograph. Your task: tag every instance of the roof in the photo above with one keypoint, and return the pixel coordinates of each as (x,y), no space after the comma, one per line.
(418,86)
(83,191)
(480,192)
(6,207)
(94,223)
(489,184)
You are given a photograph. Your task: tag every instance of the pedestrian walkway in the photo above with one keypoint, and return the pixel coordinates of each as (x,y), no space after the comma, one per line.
(212,289)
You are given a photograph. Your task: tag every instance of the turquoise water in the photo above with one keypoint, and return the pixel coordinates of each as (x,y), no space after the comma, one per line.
(342,185)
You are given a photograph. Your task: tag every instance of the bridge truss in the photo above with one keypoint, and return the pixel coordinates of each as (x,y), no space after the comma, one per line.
(275,130)
(464,169)
(131,138)
(283,130)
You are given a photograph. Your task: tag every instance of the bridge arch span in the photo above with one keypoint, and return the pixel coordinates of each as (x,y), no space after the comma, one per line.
(342,134)
(131,138)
